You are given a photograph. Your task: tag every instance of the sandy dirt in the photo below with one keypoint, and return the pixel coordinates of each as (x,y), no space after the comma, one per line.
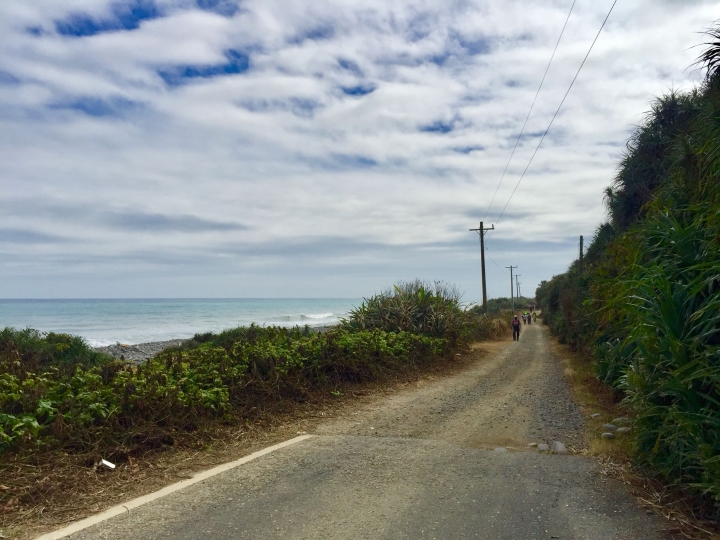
(511,394)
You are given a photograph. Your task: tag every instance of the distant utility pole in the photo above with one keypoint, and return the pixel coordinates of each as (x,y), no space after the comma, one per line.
(512,286)
(481,232)
(582,262)
(517,283)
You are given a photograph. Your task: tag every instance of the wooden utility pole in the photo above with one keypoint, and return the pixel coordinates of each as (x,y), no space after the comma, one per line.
(581,256)
(517,283)
(481,232)
(512,286)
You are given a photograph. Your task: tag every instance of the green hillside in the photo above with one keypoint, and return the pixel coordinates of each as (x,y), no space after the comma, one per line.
(647,307)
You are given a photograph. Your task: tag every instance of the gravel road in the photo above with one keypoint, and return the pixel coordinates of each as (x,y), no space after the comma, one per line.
(444,458)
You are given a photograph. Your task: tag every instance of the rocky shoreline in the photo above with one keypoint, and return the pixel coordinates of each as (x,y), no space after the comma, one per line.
(140,352)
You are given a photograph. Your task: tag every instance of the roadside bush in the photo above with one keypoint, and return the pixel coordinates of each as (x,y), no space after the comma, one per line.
(484,327)
(31,350)
(428,309)
(116,406)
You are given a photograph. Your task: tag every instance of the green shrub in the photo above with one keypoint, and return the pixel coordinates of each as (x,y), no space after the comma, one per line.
(432,310)
(115,405)
(489,326)
(33,351)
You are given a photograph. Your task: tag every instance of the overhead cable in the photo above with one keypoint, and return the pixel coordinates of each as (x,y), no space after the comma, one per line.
(557,111)
(507,259)
(496,264)
(517,141)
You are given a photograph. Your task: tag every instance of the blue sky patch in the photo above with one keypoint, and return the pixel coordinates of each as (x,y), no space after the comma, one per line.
(474,46)
(321,32)
(236,63)
(314,34)
(530,135)
(359,90)
(439,126)
(125,16)
(350,66)
(439,59)
(97,107)
(8,78)
(299,106)
(227,8)
(468,149)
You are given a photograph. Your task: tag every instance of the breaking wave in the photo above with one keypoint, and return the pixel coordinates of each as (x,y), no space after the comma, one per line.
(306,318)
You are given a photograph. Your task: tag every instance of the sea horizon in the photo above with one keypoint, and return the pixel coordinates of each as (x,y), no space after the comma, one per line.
(106,321)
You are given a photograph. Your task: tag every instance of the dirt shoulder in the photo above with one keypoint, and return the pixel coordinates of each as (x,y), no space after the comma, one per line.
(600,406)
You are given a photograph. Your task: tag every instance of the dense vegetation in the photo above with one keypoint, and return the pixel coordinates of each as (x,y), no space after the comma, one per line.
(647,303)
(505,304)
(55,392)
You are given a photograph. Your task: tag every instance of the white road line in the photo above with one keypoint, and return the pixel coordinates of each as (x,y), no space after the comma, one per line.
(126,507)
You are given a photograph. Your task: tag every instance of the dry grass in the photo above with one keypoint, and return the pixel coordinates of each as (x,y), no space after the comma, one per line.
(682,511)
(49,490)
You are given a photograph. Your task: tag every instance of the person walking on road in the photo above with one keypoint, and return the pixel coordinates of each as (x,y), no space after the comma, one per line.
(516,328)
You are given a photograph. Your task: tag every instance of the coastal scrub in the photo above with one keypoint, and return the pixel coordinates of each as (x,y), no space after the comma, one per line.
(58,393)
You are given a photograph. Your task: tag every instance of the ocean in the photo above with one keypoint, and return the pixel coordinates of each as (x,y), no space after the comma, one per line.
(106,322)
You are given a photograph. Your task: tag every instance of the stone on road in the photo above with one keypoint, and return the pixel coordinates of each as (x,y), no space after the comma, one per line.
(558,448)
(428,469)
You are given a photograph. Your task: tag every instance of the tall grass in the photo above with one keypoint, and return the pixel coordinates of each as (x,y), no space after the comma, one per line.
(668,362)
(647,307)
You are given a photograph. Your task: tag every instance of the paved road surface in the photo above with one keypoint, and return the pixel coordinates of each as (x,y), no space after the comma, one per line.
(421,463)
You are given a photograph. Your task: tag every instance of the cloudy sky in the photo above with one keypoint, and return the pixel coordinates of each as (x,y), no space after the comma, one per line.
(287,148)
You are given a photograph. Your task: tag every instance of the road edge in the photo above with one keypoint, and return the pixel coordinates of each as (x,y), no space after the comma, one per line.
(167,490)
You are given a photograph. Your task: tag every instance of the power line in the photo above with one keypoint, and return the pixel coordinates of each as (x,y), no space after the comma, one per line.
(498,248)
(557,111)
(530,111)
(496,264)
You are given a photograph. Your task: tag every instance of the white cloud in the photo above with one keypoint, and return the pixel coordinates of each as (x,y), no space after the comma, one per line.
(360,145)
